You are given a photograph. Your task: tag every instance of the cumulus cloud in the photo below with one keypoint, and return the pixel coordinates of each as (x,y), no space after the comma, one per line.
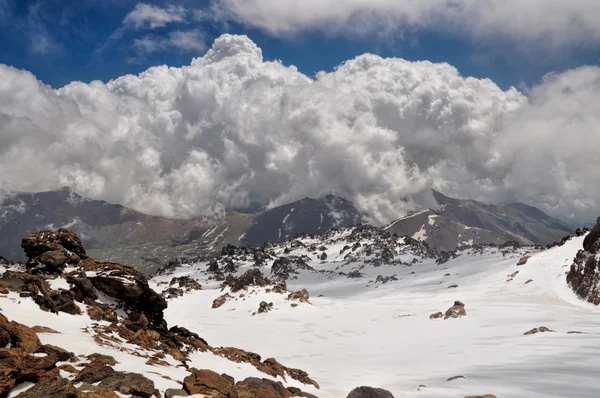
(230,129)
(152,17)
(560,22)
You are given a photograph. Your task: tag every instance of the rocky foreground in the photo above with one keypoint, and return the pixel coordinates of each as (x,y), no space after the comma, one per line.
(121,315)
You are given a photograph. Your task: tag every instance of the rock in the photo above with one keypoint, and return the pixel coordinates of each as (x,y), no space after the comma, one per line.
(252,277)
(436,315)
(219,301)
(591,243)
(100,314)
(64,303)
(456,311)
(185,283)
(228,378)
(99,359)
(481,396)
(54,259)
(369,392)
(130,383)
(575,332)
(528,281)
(83,287)
(355,274)
(284,267)
(206,382)
(54,387)
(61,354)
(264,307)
(94,373)
(43,329)
(127,285)
(38,243)
(541,329)
(136,322)
(259,388)
(455,378)
(172,392)
(301,295)
(87,390)
(452,286)
(584,277)
(19,336)
(523,260)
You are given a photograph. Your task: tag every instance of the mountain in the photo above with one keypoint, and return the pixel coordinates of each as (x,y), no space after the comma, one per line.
(116,233)
(456,222)
(313,316)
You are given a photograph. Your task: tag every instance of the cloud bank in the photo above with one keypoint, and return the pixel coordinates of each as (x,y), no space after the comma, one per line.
(231,129)
(572,22)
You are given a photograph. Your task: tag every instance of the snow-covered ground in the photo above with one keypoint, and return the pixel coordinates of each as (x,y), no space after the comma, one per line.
(365,333)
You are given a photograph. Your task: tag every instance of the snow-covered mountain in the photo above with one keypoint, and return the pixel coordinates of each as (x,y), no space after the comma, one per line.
(330,312)
(115,233)
(457,222)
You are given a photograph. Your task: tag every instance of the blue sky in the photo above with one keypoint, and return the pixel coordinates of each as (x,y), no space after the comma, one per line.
(62,40)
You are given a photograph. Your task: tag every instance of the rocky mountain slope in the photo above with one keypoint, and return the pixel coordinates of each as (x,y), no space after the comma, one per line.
(354,306)
(115,233)
(456,222)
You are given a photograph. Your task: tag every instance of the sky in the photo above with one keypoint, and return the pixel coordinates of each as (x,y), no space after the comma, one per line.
(186,108)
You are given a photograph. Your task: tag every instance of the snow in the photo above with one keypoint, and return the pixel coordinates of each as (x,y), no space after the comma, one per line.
(285,218)
(421,234)
(361,334)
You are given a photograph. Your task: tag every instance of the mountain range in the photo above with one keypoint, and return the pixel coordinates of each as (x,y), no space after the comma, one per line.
(112,232)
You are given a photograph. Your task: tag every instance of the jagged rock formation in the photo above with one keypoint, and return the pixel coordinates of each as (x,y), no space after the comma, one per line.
(584,274)
(132,317)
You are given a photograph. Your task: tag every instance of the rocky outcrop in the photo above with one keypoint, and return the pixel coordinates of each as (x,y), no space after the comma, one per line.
(51,251)
(264,307)
(254,387)
(584,273)
(286,267)
(252,277)
(206,382)
(301,295)
(541,329)
(369,392)
(456,311)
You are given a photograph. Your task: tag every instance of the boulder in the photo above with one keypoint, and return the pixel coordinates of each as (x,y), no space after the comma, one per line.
(38,243)
(18,336)
(456,311)
(54,387)
(523,260)
(172,392)
(82,287)
(591,243)
(436,315)
(252,277)
(259,388)
(127,285)
(369,392)
(206,382)
(219,301)
(541,329)
(301,295)
(264,307)
(87,390)
(94,373)
(130,383)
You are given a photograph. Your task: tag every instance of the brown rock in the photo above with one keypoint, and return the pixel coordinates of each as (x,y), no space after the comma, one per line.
(264,307)
(528,281)
(369,392)
(38,243)
(20,336)
(172,392)
(523,260)
(43,329)
(53,259)
(94,374)
(575,332)
(54,387)
(259,388)
(206,382)
(456,311)
(436,315)
(130,383)
(87,390)
(99,359)
(219,301)
(100,314)
(481,396)
(252,277)
(301,295)
(541,329)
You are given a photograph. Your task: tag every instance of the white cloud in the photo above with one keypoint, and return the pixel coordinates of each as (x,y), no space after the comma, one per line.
(572,22)
(152,17)
(232,128)
(187,41)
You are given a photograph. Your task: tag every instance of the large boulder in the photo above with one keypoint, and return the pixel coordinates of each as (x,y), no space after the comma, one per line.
(54,387)
(130,383)
(259,388)
(369,392)
(456,311)
(591,243)
(50,251)
(126,285)
(206,382)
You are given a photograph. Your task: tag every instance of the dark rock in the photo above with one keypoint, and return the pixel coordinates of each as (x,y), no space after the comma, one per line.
(83,285)
(264,307)
(38,243)
(252,277)
(100,359)
(455,378)
(301,295)
(263,388)
(591,243)
(369,392)
(131,383)
(93,374)
(456,311)
(228,378)
(54,387)
(284,267)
